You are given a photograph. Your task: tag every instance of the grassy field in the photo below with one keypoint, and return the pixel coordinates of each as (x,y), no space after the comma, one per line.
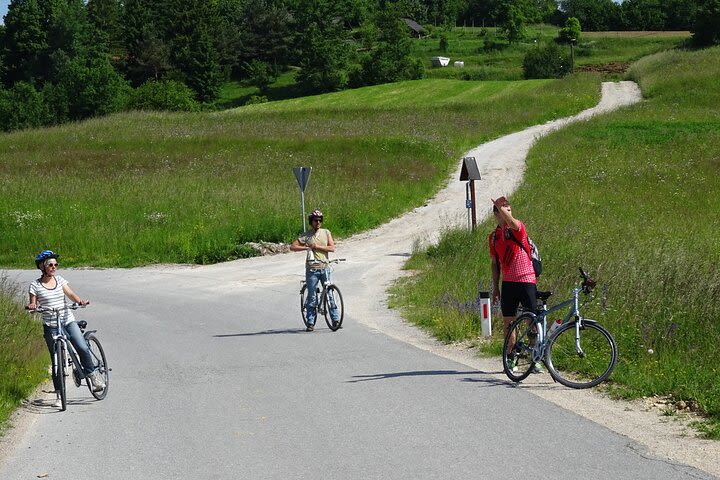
(631,197)
(144,188)
(488,58)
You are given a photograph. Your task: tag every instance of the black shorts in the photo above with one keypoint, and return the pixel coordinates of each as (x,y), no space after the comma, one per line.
(513,294)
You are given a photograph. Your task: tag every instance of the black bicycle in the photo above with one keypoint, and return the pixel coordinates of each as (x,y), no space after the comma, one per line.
(579,353)
(327,299)
(66,361)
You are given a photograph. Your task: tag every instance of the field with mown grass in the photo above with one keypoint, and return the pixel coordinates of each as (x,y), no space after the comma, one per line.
(488,58)
(142,188)
(632,197)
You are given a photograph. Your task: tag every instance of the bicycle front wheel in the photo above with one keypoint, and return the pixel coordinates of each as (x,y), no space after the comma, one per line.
(518,348)
(334,307)
(100,363)
(584,360)
(59,372)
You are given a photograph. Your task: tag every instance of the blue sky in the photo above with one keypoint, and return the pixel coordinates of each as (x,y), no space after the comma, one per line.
(3,8)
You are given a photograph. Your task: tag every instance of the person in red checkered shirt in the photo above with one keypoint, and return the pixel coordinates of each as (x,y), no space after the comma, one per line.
(511,262)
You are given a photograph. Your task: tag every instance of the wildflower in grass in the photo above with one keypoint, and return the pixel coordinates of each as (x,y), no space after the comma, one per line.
(25,218)
(156,217)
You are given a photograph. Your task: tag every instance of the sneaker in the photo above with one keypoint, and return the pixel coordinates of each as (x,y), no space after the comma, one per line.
(335,324)
(512,365)
(310,328)
(538,368)
(58,402)
(97,381)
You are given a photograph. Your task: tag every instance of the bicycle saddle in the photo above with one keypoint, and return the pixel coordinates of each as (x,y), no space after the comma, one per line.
(82,324)
(543,295)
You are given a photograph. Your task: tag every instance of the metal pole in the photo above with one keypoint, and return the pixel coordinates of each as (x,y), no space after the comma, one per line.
(302,199)
(472,202)
(468,205)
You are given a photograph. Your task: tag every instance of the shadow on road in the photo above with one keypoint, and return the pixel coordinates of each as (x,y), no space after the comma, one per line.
(285,331)
(416,373)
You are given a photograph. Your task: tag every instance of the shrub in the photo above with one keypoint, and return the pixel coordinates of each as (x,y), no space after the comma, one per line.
(549,61)
(163,95)
(21,107)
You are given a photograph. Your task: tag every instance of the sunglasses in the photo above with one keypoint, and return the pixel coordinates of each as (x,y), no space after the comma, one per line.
(52,265)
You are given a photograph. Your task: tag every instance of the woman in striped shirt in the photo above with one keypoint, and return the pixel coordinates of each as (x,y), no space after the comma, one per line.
(50,291)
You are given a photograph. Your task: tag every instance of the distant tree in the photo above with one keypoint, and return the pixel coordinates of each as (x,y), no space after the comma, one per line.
(104,17)
(550,61)
(389,56)
(89,86)
(679,14)
(706,28)
(229,38)
(325,46)
(513,16)
(594,15)
(21,107)
(267,34)
(260,74)
(147,49)
(25,43)
(643,15)
(193,52)
(570,32)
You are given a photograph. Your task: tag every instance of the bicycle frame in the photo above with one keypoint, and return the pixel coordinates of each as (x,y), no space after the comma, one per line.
(540,320)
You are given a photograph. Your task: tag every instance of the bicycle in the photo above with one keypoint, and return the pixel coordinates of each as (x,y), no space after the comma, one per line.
(325,300)
(579,353)
(65,360)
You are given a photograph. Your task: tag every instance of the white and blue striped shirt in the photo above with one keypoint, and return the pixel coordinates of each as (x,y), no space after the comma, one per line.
(52,298)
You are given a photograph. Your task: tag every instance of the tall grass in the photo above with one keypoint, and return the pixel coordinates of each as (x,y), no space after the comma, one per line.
(632,197)
(23,355)
(142,188)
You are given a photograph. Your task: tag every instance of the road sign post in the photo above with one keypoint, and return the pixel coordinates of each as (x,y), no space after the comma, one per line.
(470,173)
(302,175)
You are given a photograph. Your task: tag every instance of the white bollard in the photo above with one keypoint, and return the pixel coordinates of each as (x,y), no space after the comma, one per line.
(485,314)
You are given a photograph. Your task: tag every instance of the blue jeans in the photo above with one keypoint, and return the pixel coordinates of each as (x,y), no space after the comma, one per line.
(78,340)
(312,277)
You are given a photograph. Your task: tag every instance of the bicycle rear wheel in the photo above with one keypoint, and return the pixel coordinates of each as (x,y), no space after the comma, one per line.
(518,347)
(333,301)
(100,363)
(59,372)
(586,366)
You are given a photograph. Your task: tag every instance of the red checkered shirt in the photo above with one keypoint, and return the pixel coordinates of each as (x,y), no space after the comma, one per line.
(515,262)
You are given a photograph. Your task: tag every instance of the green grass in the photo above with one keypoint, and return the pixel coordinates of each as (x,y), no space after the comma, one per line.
(632,197)
(469,45)
(23,356)
(142,188)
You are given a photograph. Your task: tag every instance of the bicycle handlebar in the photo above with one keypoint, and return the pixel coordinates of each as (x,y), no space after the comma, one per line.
(41,309)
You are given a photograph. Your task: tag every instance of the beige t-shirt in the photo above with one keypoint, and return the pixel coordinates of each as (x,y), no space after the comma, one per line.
(316,259)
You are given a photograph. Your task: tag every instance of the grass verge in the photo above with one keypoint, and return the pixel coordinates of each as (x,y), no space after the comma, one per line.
(630,197)
(23,356)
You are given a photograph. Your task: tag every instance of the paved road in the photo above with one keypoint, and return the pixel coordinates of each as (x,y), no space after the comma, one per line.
(214,377)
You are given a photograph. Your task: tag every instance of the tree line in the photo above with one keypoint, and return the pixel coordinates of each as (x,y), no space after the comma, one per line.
(65,60)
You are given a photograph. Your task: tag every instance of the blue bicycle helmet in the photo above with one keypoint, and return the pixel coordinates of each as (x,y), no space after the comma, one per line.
(45,255)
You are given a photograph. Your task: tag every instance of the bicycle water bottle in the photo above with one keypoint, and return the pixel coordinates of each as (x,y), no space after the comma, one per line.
(554,326)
